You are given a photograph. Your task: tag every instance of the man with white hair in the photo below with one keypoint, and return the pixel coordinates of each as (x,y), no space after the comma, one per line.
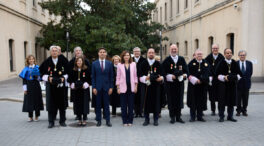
(244,84)
(197,86)
(53,72)
(77,53)
(213,59)
(139,100)
(175,71)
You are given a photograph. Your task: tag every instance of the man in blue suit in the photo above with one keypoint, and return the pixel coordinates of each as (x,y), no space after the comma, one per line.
(244,83)
(102,83)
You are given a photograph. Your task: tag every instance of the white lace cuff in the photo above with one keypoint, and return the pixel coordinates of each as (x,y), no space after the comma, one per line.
(221,78)
(169,78)
(45,78)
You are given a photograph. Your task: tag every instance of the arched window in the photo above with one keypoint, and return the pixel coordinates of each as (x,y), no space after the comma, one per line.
(186,4)
(34,3)
(210,43)
(25,49)
(196,43)
(165,11)
(178,7)
(11,54)
(178,45)
(171,8)
(230,41)
(36,51)
(161,15)
(185,48)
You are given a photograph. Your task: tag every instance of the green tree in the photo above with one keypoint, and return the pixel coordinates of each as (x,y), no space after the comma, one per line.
(114,24)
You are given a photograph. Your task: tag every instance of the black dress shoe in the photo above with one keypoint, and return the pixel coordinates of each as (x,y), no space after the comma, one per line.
(213,113)
(156,123)
(180,120)
(221,120)
(108,124)
(231,119)
(238,114)
(192,120)
(136,116)
(140,115)
(172,121)
(245,114)
(51,125)
(201,120)
(98,124)
(63,124)
(146,123)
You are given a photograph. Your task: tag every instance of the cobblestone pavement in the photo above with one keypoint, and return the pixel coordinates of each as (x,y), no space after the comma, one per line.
(16,131)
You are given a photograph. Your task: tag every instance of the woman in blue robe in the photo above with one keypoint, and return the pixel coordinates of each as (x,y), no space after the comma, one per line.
(32,90)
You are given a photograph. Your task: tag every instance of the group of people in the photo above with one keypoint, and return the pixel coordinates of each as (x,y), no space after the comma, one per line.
(140,86)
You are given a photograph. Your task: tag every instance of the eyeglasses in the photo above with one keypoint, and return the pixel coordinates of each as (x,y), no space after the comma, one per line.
(242,55)
(215,48)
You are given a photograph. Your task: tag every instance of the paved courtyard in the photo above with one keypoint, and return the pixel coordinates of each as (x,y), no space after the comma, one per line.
(16,131)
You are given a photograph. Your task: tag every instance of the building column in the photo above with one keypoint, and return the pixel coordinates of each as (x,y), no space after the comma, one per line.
(253,35)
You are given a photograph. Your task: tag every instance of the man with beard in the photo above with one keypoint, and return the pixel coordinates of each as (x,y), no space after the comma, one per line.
(175,71)
(151,80)
(227,73)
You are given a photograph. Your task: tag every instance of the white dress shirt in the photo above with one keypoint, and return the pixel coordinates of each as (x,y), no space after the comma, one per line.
(31,66)
(100,61)
(228,61)
(151,61)
(240,65)
(175,59)
(215,56)
(55,61)
(137,59)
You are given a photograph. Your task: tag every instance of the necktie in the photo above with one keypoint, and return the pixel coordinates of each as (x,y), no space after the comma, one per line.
(243,68)
(102,66)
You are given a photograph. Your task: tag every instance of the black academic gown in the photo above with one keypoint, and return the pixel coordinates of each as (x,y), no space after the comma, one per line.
(175,89)
(197,94)
(33,99)
(151,93)
(63,58)
(227,90)
(213,95)
(65,61)
(138,98)
(81,98)
(70,68)
(115,98)
(55,96)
